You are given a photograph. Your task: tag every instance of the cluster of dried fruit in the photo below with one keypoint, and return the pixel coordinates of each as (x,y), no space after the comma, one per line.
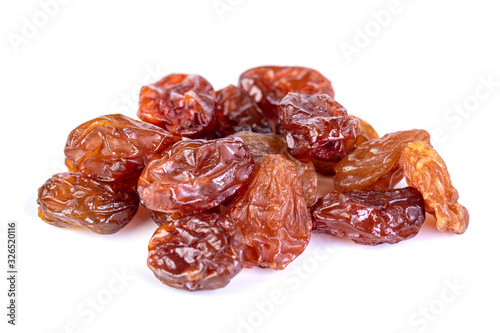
(230,175)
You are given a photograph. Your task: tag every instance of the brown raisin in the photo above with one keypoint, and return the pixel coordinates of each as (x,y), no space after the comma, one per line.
(180,103)
(316,126)
(370,217)
(236,111)
(195,175)
(71,199)
(114,147)
(268,85)
(196,252)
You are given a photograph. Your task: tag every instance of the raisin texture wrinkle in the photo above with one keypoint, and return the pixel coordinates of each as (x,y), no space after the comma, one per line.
(272,214)
(160,218)
(195,175)
(199,252)
(71,199)
(114,147)
(370,217)
(317,126)
(268,85)
(261,145)
(425,170)
(236,111)
(374,164)
(180,103)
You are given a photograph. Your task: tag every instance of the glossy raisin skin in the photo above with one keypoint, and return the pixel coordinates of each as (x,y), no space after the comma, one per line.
(425,170)
(195,175)
(268,85)
(272,214)
(261,145)
(236,111)
(71,199)
(114,148)
(316,126)
(199,252)
(180,103)
(374,164)
(160,218)
(370,217)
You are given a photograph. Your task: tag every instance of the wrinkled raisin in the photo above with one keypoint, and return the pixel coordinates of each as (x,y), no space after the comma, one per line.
(196,252)
(180,103)
(236,111)
(268,85)
(374,164)
(370,217)
(272,214)
(71,199)
(317,126)
(114,147)
(195,175)
(261,145)
(367,131)
(425,170)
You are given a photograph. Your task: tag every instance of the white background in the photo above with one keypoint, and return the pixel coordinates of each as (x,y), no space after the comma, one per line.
(89,58)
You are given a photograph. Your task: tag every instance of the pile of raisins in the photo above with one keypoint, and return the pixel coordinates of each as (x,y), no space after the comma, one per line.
(230,176)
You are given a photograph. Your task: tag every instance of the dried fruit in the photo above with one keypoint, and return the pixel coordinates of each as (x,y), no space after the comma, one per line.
(272,214)
(196,252)
(317,126)
(370,217)
(261,145)
(374,164)
(114,147)
(268,85)
(180,103)
(425,170)
(195,175)
(236,111)
(71,199)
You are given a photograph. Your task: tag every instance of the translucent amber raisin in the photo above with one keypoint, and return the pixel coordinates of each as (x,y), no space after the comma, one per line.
(261,145)
(374,164)
(425,170)
(272,214)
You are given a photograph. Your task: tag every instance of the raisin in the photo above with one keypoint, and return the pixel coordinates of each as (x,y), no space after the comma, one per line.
(374,164)
(180,103)
(261,145)
(236,111)
(317,126)
(272,214)
(196,252)
(195,175)
(268,85)
(71,199)
(114,147)
(425,170)
(370,217)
